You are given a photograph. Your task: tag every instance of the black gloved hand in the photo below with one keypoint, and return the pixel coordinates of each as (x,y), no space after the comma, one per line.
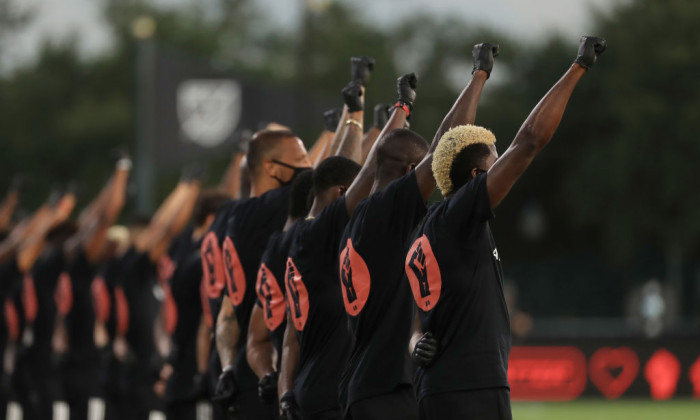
(200,386)
(483,55)
(288,406)
(267,388)
(381,115)
(406,87)
(352,96)
(425,350)
(226,388)
(332,118)
(589,48)
(360,69)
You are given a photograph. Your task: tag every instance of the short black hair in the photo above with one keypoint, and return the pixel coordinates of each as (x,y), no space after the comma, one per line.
(468,158)
(300,194)
(399,148)
(335,170)
(261,146)
(208,203)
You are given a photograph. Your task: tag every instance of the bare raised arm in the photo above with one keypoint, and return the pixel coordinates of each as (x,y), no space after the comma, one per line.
(362,185)
(463,111)
(170,219)
(540,125)
(350,141)
(381,116)
(7,208)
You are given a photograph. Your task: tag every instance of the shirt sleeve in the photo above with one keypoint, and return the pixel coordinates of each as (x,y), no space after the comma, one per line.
(470,206)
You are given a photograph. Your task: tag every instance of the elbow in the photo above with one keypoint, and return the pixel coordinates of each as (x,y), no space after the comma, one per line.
(535,139)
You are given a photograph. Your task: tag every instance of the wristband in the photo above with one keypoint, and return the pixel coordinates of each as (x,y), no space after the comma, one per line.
(354,122)
(405,106)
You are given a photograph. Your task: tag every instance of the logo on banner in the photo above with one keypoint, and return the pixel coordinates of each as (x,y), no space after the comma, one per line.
(209,110)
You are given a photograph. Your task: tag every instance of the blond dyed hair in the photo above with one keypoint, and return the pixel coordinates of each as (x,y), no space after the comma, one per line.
(451,143)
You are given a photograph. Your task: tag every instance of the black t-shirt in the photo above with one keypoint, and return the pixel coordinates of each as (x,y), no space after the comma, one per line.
(455,275)
(80,320)
(213,278)
(140,288)
(45,273)
(376,295)
(251,223)
(316,307)
(270,285)
(184,287)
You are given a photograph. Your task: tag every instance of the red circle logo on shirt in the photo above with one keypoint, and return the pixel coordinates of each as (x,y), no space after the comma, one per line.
(297,296)
(212,266)
(235,277)
(101,303)
(423,274)
(271,297)
(354,279)
(64,294)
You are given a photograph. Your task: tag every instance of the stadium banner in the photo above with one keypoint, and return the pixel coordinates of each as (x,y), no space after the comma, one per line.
(566,369)
(201,110)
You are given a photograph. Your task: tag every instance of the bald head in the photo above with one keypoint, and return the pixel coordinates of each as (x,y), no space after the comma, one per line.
(398,151)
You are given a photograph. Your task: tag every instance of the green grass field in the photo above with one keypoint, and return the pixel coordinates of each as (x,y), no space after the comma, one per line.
(608,410)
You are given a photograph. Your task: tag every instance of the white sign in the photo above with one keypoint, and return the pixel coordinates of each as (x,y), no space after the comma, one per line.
(208,110)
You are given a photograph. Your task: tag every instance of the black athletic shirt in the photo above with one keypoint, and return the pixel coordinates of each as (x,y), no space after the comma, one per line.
(44,275)
(251,223)
(80,321)
(455,275)
(376,295)
(139,284)
(213,278)
(270,286)
(316,307)
(184,286)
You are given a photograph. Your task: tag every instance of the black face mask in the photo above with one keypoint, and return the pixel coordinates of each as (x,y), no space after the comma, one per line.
(297,170)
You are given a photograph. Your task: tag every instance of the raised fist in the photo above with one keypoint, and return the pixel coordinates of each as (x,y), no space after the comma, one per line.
(425,350)
(589,48)
(483,55)
(360,69)
(406,87)
(352,96)
(381,115)
(331,118)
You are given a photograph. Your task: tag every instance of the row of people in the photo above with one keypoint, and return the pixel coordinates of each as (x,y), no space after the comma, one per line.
(311,285)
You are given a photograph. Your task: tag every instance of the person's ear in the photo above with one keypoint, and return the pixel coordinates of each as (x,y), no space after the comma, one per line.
(271,169)
(474,172)
(341,191)
(411,167)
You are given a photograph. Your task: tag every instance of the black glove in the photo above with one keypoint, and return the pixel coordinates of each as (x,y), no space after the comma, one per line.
(200,386)
(226,389)
(332,118)
(425,350)
(483,55)
(267,388)
(589,48)
(192,172)
(406,87)
(352,96)
(381,115)
(360,69)
(288,406)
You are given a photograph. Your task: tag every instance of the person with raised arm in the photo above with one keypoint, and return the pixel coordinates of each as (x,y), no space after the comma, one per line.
(453,265)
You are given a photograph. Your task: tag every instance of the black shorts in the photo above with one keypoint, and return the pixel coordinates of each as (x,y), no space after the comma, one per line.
(477,404)
(398,405)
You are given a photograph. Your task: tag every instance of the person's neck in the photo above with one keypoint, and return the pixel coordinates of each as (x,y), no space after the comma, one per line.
(319,204)
(290,221)
(261,185)
(380,182)
(199,232)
